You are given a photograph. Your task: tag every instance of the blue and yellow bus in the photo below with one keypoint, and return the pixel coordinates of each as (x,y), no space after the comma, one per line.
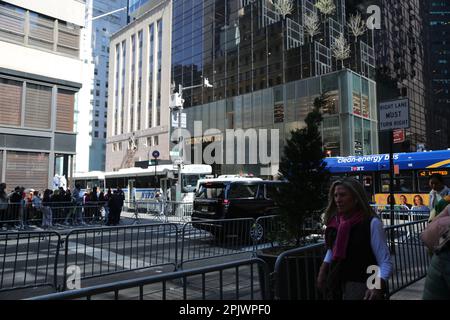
(413,171)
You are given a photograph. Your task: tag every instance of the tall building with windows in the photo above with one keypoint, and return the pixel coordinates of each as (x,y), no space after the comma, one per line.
(139,88)
(92,106)
(401,64)
(266,71)
(40,75)
(438,45)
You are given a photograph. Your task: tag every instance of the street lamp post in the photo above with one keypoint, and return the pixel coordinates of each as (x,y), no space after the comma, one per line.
(176,103)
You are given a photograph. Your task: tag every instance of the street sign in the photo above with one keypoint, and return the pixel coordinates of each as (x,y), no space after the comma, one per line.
(175,120)
(399,136)
(155,154)
(394,115)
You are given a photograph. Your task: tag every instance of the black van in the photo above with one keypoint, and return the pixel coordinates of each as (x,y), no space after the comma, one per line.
(233,199)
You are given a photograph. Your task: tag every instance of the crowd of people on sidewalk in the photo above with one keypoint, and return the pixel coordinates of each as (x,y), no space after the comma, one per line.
(22,207)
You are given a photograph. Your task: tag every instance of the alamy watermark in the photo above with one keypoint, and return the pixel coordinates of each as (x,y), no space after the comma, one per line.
(230,147)
(73,281)
(374,20)
(374,280)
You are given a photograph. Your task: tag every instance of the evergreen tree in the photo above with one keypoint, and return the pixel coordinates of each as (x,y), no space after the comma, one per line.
(302,166)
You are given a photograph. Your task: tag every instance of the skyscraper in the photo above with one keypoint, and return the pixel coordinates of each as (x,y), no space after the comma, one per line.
(400,61)
(267,69)
(93,98)
(438,52)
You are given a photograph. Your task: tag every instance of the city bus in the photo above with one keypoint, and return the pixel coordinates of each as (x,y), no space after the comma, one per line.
(89,180)
(141,184)
(412,173)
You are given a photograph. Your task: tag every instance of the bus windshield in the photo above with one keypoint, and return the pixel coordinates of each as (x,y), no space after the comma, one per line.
(190,182)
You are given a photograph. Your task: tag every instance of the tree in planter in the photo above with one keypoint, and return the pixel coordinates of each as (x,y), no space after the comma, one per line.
(283,8)
(312,28)
(358,28)
(341,49)
(302,166)
(327,8)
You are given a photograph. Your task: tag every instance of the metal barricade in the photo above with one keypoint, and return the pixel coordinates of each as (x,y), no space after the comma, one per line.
(402,216)
(28,259)
(296,271)
(112,250)
(228,281)
(264,229)
(409,255)
(13,216)
(205,239)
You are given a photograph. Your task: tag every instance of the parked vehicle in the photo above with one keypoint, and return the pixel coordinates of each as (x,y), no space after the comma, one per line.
(224,198)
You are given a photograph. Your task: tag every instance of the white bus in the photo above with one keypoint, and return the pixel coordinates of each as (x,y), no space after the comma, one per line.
(88,180)
(140,184)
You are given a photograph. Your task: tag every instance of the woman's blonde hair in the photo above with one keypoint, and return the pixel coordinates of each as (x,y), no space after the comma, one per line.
(358,193)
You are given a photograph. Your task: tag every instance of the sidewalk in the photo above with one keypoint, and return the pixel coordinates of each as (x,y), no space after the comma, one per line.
(413,292)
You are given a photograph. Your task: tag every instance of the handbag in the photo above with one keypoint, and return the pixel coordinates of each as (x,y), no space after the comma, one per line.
(437,234)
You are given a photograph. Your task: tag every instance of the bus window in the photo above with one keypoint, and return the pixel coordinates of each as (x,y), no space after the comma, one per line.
(423,178)
(368,185)
(402,182)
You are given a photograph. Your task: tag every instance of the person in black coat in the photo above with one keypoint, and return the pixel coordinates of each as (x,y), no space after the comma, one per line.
(114,204)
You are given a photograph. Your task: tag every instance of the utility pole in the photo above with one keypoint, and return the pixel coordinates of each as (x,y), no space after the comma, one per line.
(176,104)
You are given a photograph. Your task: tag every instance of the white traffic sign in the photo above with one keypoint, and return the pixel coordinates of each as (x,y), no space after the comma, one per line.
(175,120)
(394,115)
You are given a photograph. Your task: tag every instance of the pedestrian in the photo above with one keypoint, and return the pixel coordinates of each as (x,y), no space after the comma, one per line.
(78,199)
(36,203)
(94,204)
(437,282)
(69,206)
(355,240)
(47,214)
(14,208)
(114,207)
(106,205)
(3,204)
(438,190)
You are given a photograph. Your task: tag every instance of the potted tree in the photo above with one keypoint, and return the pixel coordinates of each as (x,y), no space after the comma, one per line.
(304,195)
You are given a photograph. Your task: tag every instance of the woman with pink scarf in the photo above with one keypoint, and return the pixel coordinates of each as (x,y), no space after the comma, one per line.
(358,263)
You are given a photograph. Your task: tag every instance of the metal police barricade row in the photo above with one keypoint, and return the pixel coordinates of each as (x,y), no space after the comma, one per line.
(20,216)
(241,280)
(29,259)
(205,239)
(402,216)
(162,210)
(409,255)
(98,252)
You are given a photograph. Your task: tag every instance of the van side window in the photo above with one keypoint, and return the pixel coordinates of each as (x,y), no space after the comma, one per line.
(271,191)
(240,191)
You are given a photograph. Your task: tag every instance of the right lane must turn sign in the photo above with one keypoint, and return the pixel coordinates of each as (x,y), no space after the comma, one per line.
(394,115)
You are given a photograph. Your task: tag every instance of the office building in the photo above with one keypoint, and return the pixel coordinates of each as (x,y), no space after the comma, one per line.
(139,89)
(438,54)
(266,71)
(40,75)
(92,105)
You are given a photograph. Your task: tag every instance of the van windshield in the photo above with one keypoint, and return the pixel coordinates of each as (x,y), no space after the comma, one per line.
(211,191)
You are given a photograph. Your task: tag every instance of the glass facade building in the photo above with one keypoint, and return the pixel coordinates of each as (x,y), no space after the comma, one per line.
(267,70)
(438,39)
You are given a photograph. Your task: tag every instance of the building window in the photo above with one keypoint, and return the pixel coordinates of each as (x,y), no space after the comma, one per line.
(10,102)
(149,141)
(97,113)
(96,124)
(155,140)
(96,134)
(104,135)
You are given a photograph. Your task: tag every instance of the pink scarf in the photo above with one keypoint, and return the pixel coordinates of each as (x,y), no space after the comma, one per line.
(343,225)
